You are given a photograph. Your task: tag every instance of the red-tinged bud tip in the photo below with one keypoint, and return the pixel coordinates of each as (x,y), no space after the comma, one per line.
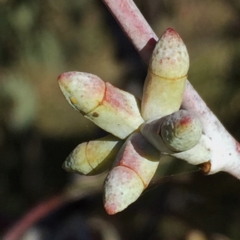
(170,57)
(111,208)
(66,76)
(121,188)
(181,130)
(82,90)
(171,32)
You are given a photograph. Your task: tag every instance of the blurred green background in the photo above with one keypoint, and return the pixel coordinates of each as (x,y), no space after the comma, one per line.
(38,129)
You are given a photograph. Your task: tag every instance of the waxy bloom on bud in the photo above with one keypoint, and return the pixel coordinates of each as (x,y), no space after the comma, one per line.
(110,108)
(200,153)
(176,132)
(133,169)
(93,157)
(166,79)
(181,130)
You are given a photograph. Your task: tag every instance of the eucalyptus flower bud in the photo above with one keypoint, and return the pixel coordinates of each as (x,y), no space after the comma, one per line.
(181,130)
(93,157)
(133,169)
(176,132)
(166,79)
(110,108)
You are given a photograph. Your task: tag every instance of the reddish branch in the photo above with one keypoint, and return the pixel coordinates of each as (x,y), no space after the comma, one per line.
(78,189)
(134,25)
(40,211)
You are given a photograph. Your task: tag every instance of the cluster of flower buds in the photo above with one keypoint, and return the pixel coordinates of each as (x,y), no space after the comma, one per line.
(138,135)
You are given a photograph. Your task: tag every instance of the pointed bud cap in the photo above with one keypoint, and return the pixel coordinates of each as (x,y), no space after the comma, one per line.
(133,169)
(93,157)
(170,57)
(83,91)
(122,187)
(110,108)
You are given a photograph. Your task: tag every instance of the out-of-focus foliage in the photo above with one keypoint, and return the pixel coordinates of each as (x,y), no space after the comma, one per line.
(18,103)
(38,129)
